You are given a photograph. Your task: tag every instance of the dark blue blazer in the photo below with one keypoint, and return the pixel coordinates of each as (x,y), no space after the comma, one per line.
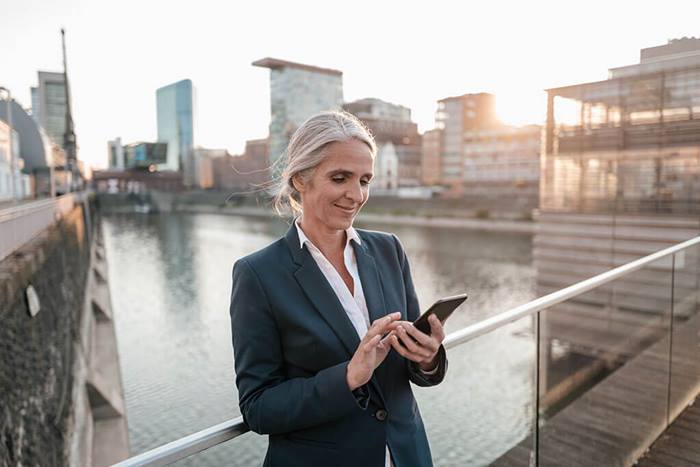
(292,342)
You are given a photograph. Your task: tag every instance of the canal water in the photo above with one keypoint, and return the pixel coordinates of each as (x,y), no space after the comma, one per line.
(170,278)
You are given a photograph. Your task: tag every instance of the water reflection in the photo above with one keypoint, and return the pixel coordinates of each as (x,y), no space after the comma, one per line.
(170,280)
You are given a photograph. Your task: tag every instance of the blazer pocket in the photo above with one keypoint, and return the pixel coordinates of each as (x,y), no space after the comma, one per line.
(316,443)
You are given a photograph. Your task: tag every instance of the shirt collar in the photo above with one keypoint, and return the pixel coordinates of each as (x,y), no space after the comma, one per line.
(351,234)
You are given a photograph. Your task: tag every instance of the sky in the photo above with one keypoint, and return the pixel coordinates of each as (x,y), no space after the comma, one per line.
(405,52)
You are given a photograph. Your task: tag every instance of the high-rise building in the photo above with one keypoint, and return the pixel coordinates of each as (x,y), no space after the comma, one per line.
(455,116)
(115,154)
(175,104)
(297,92)
(391,126)
(49,104)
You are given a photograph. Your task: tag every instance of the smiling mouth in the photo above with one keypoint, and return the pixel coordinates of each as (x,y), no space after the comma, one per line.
(343,208)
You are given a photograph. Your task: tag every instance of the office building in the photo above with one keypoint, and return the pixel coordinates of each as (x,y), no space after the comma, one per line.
(175,107)
(620,180)
(115,154)
(145,155)
(398,141)
(456,116)
(13,183)
(297,91)
(204,166)
(502,167)
(248,172)
(39,153)
(49,105)
(431,168)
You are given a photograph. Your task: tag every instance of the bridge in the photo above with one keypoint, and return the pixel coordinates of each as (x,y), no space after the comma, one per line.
(629,402)
(636,405)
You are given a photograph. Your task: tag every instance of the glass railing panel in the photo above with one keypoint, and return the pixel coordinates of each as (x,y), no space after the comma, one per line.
(243,451)
(604,361)
(685,348)
(482,413)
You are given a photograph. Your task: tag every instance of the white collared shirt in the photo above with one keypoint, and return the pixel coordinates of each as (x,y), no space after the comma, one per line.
(354,304)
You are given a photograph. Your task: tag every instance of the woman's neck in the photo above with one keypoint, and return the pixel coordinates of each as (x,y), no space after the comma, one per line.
(331,242)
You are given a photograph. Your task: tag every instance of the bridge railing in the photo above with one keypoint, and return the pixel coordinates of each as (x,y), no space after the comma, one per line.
(20,223)
(596,372)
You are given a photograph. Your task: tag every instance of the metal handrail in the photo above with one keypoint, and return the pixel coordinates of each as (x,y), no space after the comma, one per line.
(204,439)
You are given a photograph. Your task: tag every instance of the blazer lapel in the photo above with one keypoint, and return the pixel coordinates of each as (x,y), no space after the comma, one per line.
(371,284)
(374,297)
(321,294)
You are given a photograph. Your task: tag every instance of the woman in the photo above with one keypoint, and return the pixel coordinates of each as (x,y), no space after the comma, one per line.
(316,314)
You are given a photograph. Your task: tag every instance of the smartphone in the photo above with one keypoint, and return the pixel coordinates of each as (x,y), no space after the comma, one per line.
(442,308)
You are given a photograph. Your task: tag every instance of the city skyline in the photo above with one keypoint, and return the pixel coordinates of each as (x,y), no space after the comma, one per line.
(415,57)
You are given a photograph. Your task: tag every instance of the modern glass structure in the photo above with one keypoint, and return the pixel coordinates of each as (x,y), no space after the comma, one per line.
(629,144)
(175,103)
(144,155)
(297,92)
(620,180)
(49,104)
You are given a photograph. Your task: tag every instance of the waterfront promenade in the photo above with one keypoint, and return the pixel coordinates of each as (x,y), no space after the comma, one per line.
(646,382)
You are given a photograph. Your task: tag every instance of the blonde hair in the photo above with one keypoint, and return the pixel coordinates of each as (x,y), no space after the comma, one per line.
(306,150)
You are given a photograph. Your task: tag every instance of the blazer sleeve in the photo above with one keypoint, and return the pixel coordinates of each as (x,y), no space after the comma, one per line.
(416,375)
(271,403)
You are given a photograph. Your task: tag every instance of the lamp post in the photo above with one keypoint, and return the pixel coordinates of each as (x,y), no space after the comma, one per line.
(8,106)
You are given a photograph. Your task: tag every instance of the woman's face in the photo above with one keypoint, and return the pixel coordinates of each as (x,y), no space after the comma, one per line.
(339,186)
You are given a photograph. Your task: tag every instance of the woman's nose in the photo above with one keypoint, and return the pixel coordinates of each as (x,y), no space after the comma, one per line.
(355,193)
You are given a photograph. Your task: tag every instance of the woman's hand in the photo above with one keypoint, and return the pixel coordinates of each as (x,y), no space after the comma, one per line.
(417,346)
(371,352)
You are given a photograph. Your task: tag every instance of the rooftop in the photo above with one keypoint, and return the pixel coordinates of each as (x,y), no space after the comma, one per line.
(277,64)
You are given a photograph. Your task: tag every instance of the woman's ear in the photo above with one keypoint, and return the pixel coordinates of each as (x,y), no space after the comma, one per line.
(298,183)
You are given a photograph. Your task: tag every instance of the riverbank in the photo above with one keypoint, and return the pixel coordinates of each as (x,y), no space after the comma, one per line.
(492,225)
(428,213)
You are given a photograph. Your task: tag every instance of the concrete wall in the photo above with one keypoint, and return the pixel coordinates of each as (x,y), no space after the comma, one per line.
(60,386)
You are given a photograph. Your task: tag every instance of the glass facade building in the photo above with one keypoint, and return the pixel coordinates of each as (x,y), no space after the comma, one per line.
(143,155)
(620,179)
(629,144)
(175,106)
(49,104)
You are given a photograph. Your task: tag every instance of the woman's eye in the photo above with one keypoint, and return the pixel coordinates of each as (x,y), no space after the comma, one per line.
(364,182)
(338,179)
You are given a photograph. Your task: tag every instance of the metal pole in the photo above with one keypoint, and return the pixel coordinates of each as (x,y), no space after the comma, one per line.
(8,106)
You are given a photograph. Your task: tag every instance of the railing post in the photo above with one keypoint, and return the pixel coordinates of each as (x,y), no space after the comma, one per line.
(534,456)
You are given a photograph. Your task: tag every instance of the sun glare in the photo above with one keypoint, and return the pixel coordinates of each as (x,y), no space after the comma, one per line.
(519,109)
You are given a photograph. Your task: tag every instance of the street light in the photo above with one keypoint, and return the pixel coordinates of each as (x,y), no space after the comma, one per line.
(8,104)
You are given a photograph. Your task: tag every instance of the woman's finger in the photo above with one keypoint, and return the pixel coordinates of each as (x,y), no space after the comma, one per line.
(371,344)
(379,326)
(412,345)
(424,339)
(404,352)
(437,331)
(400,349)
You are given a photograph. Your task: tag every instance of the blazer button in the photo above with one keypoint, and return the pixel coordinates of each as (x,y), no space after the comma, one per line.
(381,415)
